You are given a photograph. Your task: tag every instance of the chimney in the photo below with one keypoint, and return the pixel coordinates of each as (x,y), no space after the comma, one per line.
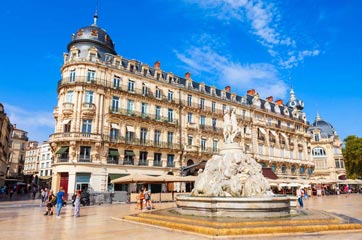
(279,102)
(270,99)
(227,88)
(187,75)
(157,65)
(251,92)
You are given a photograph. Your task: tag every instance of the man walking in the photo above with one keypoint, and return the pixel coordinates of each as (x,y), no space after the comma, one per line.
(60,197)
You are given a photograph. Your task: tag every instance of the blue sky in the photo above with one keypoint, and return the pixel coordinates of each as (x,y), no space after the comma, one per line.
(314,46)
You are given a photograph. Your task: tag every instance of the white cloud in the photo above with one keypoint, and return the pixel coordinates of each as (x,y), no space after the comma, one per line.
(38,124)
(264,22)
(262,77)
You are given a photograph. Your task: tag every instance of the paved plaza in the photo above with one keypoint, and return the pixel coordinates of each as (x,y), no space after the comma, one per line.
(24,220)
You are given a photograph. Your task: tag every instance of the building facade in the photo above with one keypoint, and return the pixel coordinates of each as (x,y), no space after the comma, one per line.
(326,151)
(5,134)
(116,116)
(19,139)
(31,164)
(45,161)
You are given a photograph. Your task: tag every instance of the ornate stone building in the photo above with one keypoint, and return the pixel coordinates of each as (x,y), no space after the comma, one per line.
(326,151)
(5,133)
(19,139)
(116,116)
(31,165)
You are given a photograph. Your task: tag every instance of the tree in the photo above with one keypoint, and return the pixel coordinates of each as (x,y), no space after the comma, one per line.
(352,154)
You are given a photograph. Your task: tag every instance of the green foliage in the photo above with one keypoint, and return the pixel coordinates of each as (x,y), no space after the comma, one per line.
(352,154)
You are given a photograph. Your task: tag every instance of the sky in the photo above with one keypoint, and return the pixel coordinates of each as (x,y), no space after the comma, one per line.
(268,45)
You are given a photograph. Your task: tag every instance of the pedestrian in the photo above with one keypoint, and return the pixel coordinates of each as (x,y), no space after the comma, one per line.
(141,198)
(346,190)
(60,201)
(42,195)
(148,200)
(50,202)
(300,196)
(77,204)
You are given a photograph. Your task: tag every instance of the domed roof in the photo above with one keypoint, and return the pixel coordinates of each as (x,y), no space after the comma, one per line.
(294,102)
(327,130)
(92,36)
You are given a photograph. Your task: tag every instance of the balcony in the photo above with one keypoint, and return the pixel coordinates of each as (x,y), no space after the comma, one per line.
(128,162)
(75,136)
(157,163)
(84,159)
(191,148)
(143,163)
(88,109)
(170,164)
(55,112)
(63,159)
(68,108)
(112,160)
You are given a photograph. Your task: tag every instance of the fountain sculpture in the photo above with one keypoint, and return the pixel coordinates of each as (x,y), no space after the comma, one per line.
(233,185)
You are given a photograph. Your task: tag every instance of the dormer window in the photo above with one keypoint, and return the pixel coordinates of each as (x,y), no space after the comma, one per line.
(94,32)
(316,137)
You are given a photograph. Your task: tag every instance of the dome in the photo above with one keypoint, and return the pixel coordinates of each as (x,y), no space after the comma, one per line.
(92,36)
(324,127)
(294,102)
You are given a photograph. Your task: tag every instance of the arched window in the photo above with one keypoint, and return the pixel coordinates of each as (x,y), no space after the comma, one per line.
(284,169)
(274,167)
(292,169)
(310,171)
(319,152)
(301,170)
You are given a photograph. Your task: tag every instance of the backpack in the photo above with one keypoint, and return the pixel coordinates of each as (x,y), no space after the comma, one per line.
(54,200)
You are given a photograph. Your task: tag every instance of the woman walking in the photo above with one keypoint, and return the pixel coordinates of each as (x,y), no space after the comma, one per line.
(77,204)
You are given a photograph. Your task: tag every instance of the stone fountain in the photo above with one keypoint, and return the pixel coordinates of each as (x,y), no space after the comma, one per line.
(232,184)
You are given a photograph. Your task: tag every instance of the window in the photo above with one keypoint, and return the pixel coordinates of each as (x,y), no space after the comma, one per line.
(170,160)
(189,140)
(213,107)
(214,145)
(203,144)
(170,95)
(88,98)
(130,86)
(170,115)
(143,158)
(243,114)
(67,127)
(319,152)
(130,106)
(316,137)
(158,113)
(170,138)
(144,89)
(274,167)
(157,137)
(143,135)
(114,134)
(202,120)
(223,108)
(157,159)
(189,117)
(116,82)
(87,126)
(189,100)
(301,170)
(129,136)
(284,169)
(72,76)
(84,154)
(260,149)
(91,76)
(144,109)
(292,169)
(115,104)
(214,122)
(69,97)
(202,103)
(158,93)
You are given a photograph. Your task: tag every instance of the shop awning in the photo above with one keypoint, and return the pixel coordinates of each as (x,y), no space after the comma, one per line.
(113,176)
(284,136)
(62,150)
(273,133)
(113,153)
(262,130)
(115,125)
(130,129)
(129,153)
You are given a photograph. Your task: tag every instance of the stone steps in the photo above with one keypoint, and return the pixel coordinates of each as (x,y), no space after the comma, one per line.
(231,227)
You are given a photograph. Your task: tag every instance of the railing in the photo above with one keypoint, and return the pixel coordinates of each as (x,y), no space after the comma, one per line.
(170,164)
(157,163)
(63,159)
(143,162)
(128,162)
(133,113)
(75,136)
(112,160)
(84,159)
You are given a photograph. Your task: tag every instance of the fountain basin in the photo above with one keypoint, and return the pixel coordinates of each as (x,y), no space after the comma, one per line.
(248,207)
